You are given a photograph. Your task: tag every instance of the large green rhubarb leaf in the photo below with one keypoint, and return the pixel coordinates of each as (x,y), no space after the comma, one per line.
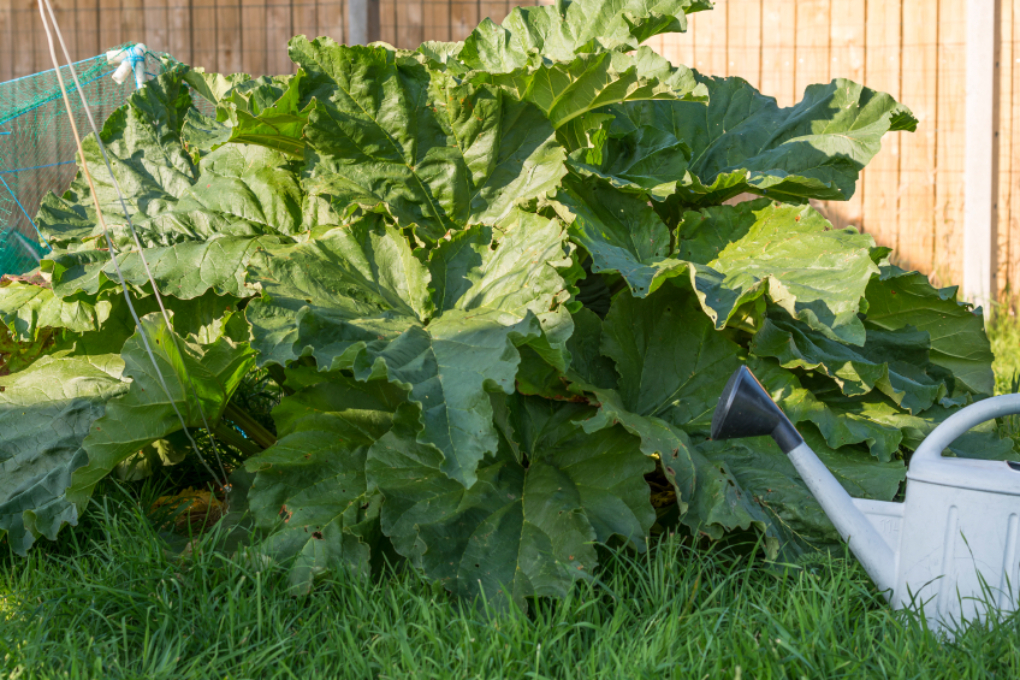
(744,142)
(558,32)
(647,161)
(765,478)
(186,379)
(893,362)
(520,530)
(326,400)
(981,442)
(185,270)
(26,308)
(309,489)
(672,363)
(898,299)
(620,231)
(816,273)
(587,366)
(438,154)
(357,299)
(46,412)
(839,426)
(238,190)
(266,112)
(241,191)
(564,91)
(142,140)
(731,255)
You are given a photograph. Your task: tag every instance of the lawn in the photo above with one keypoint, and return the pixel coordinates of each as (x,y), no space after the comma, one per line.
(107,602)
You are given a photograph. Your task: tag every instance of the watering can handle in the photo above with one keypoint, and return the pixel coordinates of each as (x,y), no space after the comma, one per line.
(960,422)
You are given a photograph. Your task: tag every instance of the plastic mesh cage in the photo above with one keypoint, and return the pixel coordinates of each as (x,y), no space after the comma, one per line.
(37,147)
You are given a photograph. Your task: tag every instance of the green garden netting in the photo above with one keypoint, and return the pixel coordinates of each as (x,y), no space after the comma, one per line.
(37,147)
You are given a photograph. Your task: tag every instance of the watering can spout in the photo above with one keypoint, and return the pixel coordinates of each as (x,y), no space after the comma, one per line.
(746,410)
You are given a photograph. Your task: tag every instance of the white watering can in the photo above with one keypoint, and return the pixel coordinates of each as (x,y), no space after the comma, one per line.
(950,548)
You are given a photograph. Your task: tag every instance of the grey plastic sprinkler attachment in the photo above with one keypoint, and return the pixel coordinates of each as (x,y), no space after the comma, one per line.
(950,546)
(746,410)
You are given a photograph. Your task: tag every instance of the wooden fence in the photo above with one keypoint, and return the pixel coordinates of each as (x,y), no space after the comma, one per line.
(222,35)
(911,197)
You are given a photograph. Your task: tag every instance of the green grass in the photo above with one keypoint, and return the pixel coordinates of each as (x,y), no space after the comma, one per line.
(1004,332)
(108,602)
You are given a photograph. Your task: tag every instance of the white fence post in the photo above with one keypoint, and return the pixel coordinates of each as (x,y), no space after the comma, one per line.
(980,182)
(362,21)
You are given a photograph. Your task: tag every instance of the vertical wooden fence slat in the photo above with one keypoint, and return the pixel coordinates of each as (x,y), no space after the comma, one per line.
(710,39)
(109,24)
(496,11)
(811,57)
(463,18)
(203,34)
(812,45)
(157,26)
(132,21)
(952,85)
(278,32)
(882,72)
(743,48)
(410,24)
(51,128)
(388,21)
(58,147)
(253,37)
(1004,140)
(1012,180)
(846,60)
(779,28)
(332,21)
(437,18)
(306,21)
(6,41)
(917,149)
(980,123)
(228,36)
(64,12)
(86,25)
(847,40)
(33,42)
(179,20)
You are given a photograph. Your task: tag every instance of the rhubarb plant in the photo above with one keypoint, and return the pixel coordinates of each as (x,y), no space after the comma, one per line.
(501,283)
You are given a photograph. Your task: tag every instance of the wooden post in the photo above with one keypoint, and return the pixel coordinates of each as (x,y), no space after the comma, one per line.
(980,188)
(362,21)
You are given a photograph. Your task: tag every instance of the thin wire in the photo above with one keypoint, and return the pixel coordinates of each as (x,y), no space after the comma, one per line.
(109,241)
(138,244)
